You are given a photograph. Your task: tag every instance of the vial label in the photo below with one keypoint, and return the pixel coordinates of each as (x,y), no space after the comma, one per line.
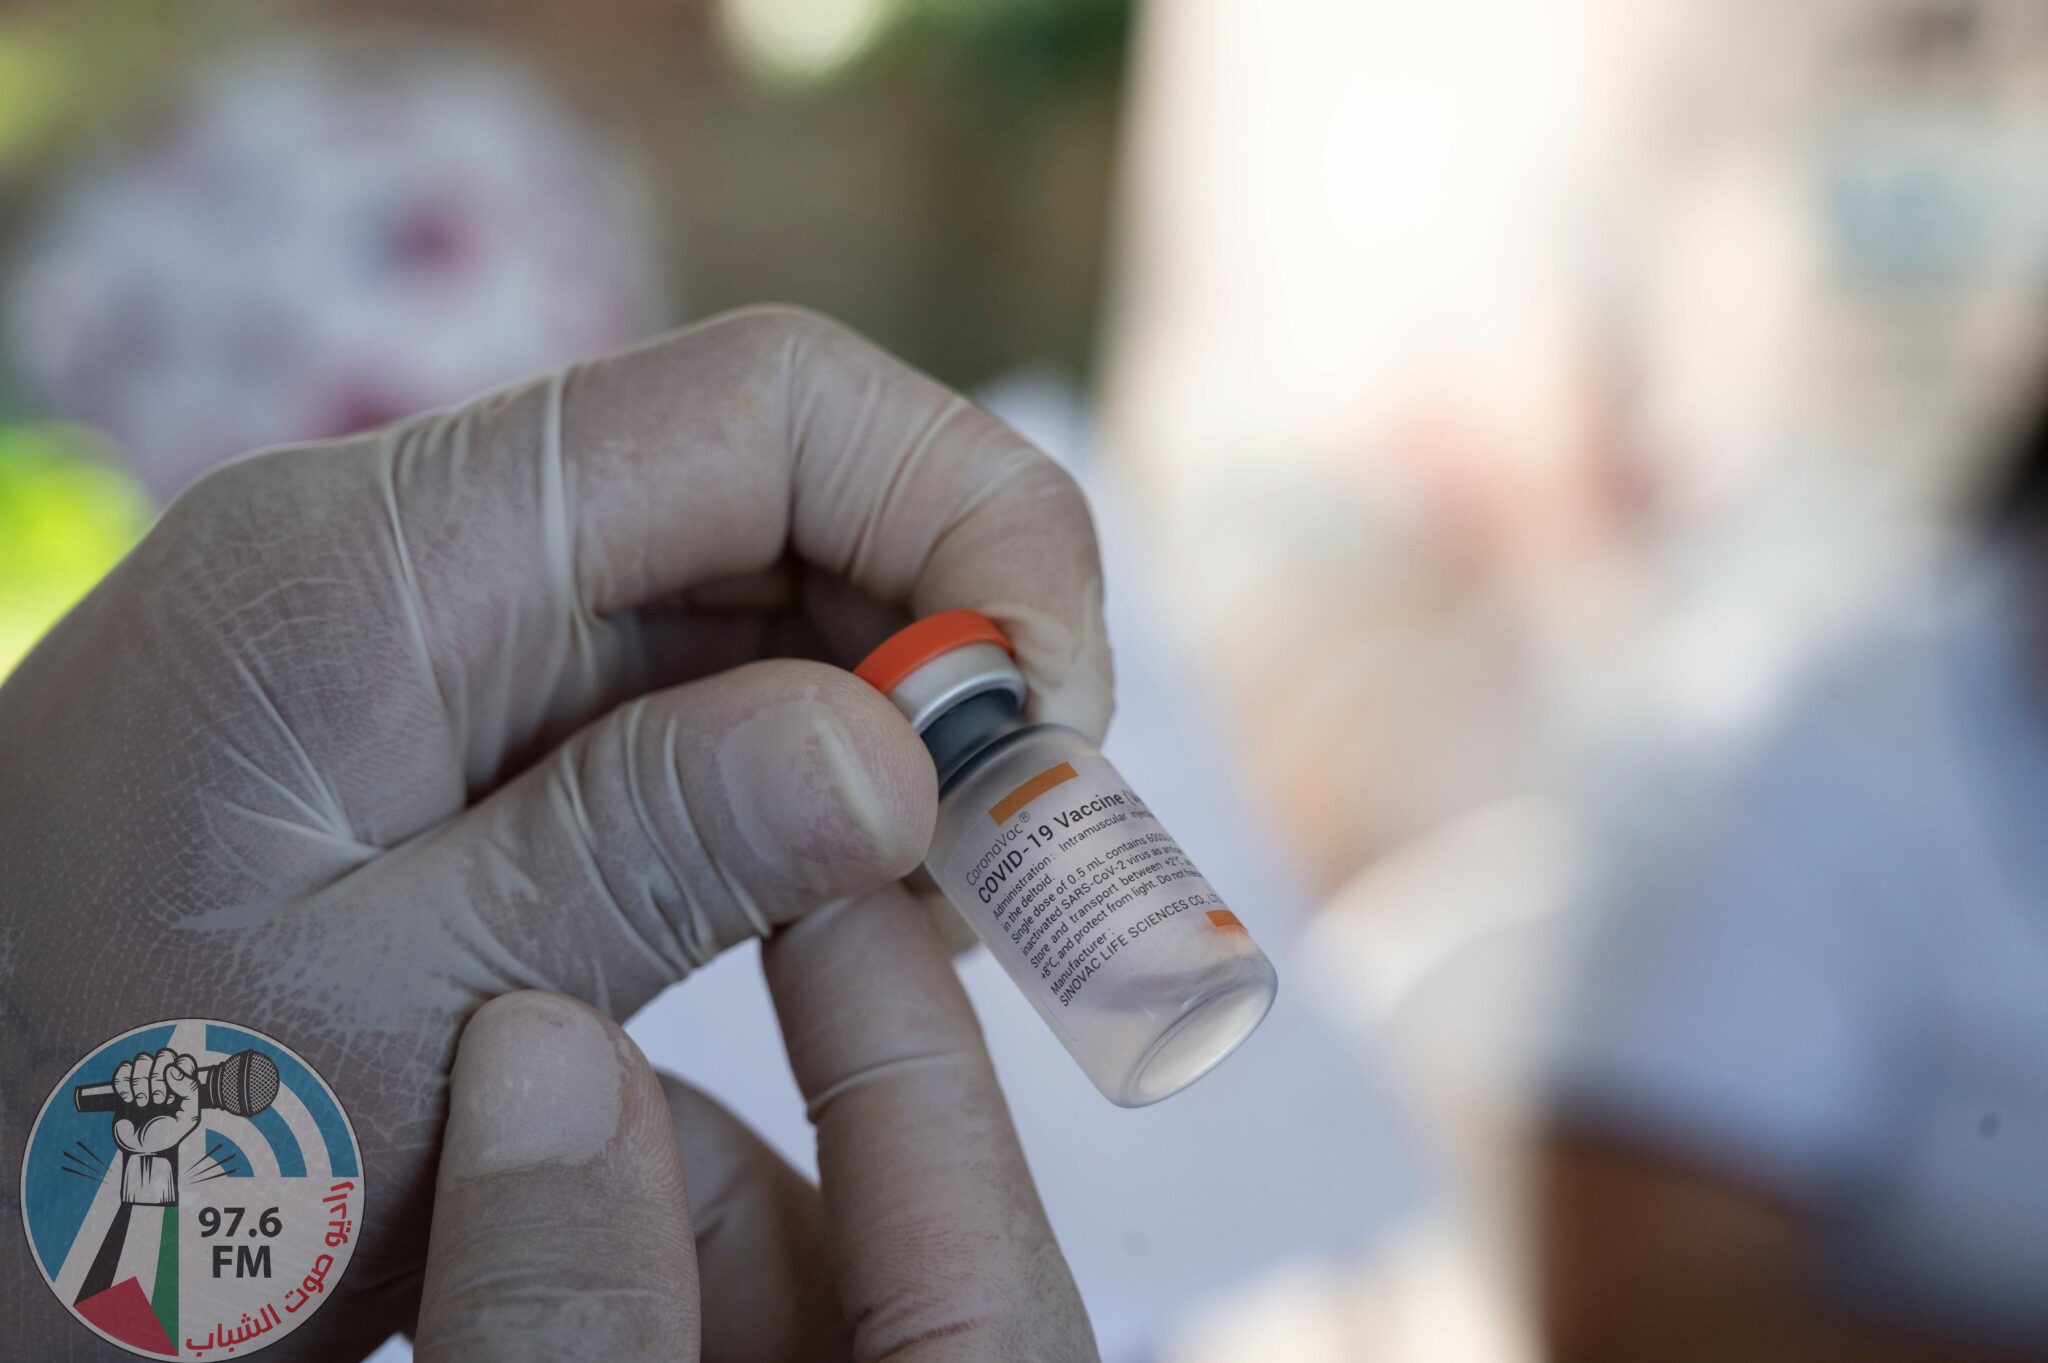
(1081,887)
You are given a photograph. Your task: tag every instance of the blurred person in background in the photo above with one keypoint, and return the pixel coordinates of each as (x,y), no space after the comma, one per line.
(1523,387)
(1799,1107)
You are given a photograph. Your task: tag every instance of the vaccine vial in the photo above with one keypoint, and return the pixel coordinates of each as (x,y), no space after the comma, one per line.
(1060,867)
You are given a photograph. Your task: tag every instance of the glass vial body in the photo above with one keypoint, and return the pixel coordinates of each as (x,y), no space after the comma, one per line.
(1095,912)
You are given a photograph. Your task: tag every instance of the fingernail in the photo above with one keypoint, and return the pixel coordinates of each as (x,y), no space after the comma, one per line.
(537,1081)
(825,781)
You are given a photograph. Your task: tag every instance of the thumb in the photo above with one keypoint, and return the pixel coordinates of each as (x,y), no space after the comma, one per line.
(560,1225)
(677,826)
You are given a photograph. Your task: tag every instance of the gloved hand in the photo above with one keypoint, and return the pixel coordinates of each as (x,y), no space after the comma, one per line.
(364,734)
(929,1225)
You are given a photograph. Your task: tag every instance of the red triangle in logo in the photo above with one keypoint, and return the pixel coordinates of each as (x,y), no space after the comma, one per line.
(123,1312)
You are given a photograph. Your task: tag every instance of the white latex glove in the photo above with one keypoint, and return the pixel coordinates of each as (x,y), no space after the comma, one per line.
(930,1227)
(364,734)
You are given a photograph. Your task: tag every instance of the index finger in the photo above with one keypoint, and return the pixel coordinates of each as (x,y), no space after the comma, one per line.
(717,451)
(939,1243)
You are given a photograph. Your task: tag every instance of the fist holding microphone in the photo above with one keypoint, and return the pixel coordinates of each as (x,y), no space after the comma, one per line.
(157,1099)
(242,1085)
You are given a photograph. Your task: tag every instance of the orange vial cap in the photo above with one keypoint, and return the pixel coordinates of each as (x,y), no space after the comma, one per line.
(916,644)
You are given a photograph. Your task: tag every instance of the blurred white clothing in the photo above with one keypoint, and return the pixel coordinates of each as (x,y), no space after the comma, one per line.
(1830,977)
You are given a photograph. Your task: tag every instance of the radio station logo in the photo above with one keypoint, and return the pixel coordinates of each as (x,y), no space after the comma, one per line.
(192,1189)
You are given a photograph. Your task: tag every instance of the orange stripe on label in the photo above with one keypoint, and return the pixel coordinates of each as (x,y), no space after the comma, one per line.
(1031,790)
(1226,920)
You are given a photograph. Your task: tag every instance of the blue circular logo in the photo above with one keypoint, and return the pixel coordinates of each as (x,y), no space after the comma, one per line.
(192,1189)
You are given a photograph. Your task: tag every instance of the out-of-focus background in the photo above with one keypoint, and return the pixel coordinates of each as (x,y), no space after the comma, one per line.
(1483,400)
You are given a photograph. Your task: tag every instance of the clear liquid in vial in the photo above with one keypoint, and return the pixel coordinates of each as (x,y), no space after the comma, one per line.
(1097,914)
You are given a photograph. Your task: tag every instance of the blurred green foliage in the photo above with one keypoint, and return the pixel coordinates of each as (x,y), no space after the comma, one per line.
(1017,48)
(66,517)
